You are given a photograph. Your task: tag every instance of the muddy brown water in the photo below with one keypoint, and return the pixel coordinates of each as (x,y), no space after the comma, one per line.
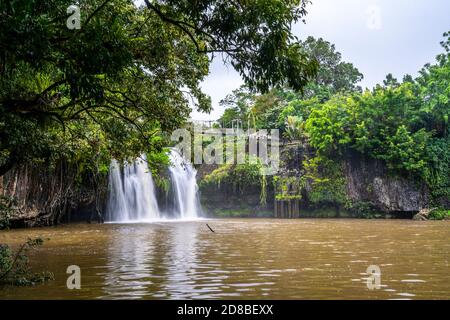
(243,259)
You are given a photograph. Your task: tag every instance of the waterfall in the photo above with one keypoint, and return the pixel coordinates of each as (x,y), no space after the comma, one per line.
(131,193)
(184,184)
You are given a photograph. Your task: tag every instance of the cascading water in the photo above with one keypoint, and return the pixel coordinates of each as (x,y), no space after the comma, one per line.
(131,193)
(184,184)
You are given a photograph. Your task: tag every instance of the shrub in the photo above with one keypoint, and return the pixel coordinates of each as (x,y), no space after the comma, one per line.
(15,269)
(439,214)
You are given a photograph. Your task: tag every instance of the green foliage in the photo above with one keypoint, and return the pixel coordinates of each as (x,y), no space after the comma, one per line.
(215,178)
(439,214)
(273,109)
(333,75)
(256,35)
(327,181)
(241,177)
(300,109)
(288,188)
(437,172)
(253,111)
(6,209)
(361,209)
(158,163)
(404,124)
(129,74)
(295,127)
(247,174)
(328,124)
(384,124)
(15,269)
(406,150)
(237,107)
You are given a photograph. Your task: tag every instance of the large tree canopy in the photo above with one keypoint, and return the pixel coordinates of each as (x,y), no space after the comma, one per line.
(130,72)
(268,110)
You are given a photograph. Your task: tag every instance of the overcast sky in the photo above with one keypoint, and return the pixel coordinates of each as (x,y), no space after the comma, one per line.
(377,36)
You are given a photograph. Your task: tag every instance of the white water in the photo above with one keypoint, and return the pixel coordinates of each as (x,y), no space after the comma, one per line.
(131,193)
(185,189)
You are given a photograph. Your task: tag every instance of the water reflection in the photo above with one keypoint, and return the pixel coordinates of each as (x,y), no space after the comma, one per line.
(181,260)
(158,260)
(244,259)
(130,257)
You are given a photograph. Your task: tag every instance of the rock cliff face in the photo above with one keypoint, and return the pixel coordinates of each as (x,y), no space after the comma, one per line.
(39,196)
(368,181)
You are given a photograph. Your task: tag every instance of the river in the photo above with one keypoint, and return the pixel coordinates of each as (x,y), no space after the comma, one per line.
(242,259)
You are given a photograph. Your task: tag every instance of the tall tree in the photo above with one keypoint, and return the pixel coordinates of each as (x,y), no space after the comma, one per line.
(130,72)
(334,75)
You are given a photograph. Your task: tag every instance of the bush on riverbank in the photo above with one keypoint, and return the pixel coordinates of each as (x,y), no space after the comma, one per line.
(439,214)
(15,269)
